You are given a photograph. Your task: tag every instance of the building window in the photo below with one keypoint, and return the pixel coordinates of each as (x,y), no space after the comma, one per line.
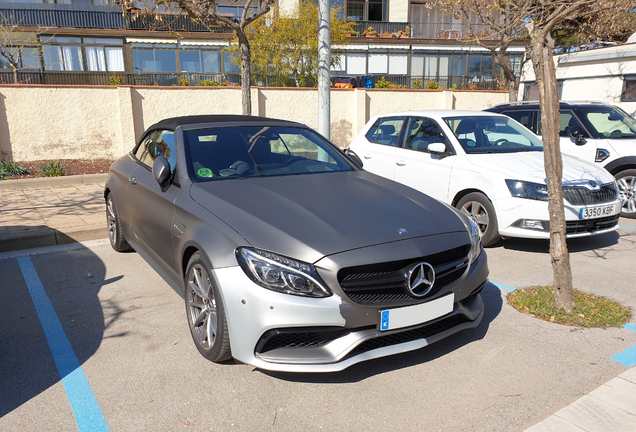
(27,58)
(78,54)
(367,10)
(356,63)
(629,89)
(398,64)
(378,63)
(228,64)
(154,58)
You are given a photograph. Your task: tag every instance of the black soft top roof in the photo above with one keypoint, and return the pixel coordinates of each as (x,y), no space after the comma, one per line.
(174,122)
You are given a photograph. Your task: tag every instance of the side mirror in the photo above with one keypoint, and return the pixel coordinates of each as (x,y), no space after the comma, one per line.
(354,157)
(161,171)
(577,133)
(438,149)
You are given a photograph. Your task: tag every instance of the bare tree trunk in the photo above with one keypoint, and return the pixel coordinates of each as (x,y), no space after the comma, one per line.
(246,72)
(543,63)
(15,74)
(504,62)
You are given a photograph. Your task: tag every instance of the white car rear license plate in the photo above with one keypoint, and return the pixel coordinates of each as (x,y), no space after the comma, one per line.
(392,319)
(598,211)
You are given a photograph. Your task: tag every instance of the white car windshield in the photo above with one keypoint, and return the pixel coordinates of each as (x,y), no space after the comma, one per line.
(492,134)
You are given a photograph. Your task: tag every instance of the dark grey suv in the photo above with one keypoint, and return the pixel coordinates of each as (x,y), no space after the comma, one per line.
(593,131)
(289,256)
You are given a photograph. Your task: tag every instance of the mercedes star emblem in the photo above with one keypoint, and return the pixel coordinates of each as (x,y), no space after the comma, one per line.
(421,279)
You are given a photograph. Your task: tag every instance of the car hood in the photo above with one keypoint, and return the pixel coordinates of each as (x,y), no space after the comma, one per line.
(307,217)
(529,166)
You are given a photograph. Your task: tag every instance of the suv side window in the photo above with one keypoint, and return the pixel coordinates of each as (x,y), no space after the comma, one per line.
(567,121)
(159,143)
(421,132)
(386,131)
(522,116)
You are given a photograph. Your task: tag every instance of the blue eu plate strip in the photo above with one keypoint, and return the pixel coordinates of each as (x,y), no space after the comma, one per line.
(80,396)
(384,322)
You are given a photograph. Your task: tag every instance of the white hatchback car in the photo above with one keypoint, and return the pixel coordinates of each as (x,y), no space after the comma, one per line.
(489,166)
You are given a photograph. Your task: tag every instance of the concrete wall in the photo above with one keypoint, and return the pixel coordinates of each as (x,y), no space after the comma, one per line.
(67,122)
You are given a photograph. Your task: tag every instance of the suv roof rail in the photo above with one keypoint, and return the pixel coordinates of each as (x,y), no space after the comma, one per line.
(563,102)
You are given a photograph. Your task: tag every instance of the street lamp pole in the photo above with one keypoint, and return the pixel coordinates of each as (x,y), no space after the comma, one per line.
(324,61)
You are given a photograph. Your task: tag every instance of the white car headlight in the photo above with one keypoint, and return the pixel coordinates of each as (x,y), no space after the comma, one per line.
(475,241)
(529,190)
(282,274)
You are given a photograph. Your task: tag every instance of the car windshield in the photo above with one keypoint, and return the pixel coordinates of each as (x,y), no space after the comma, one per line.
(492,134)
(256,151)
(610,122)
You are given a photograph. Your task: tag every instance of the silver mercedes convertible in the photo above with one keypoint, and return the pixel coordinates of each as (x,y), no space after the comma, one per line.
(289,256)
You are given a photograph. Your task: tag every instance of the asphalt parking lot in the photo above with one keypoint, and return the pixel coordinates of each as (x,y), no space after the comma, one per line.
(140,370)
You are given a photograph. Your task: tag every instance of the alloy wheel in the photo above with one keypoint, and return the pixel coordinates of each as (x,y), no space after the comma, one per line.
(112,220)
(202,307)
(477,213)
(627,193)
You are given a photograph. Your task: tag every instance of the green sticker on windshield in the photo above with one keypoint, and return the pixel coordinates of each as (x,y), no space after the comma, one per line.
(205,172)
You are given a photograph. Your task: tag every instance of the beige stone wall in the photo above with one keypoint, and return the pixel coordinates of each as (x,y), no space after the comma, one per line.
(66,122)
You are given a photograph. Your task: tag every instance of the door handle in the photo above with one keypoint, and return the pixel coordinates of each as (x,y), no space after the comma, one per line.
(133,180)
(400,163)
(366,156)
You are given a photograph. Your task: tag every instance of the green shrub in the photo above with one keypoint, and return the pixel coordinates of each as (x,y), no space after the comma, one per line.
(433,85)
(417,84)
(116,80)
(9,168)
(383,83)
(52,169)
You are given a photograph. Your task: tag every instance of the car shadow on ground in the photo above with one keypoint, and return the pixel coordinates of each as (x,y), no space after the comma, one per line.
(72,280)
(493,301)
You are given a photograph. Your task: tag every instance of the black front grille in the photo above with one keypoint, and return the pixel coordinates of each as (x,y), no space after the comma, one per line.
(590,225)
(410,335)
(579,196)
(298,338)
(386,284)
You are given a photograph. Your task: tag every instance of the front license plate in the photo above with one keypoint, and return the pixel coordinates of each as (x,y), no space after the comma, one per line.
(392,319)
(596,212)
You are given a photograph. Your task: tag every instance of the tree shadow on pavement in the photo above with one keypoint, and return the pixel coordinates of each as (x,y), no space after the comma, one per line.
(493,302)
(72,280)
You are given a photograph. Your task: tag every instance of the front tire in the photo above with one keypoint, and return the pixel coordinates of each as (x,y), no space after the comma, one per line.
(479,208)
(626,181)
(205,312)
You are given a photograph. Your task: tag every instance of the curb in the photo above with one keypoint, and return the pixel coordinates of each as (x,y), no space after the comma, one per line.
(46,182)
(50,237)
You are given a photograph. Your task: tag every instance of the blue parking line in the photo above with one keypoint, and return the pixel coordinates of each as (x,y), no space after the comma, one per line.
(626,226)
(503,287)
(627,357)
(80,396)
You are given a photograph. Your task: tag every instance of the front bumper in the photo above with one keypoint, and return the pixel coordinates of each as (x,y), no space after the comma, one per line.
(323,341)
(510,211)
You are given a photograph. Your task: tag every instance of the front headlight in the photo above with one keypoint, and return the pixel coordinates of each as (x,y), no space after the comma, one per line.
(475,241)
(523,189)
(282,274)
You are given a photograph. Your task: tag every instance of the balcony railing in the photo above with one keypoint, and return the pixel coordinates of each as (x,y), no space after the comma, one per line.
(99,18)
(455,31)
(169,22)
(62,18)
(103,17)
(223,79)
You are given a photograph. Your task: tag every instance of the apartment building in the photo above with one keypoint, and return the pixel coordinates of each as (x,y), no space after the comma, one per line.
(94,42)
